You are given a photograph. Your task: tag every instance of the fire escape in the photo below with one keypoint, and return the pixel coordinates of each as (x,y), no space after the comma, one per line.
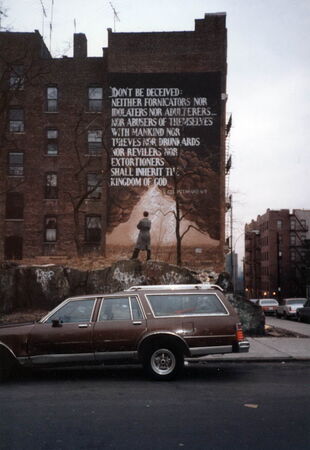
(228,196)
(299,255)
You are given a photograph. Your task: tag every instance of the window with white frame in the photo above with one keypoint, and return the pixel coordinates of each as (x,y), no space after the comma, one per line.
(52,99)
(93,229)
(94,185)
(50,229)
(16,120)
(94,139)
(95,95)
(52,142)
(16,80)
(51,185)
(16,164)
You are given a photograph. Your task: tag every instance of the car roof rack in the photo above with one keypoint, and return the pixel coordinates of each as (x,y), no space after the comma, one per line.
(174,287)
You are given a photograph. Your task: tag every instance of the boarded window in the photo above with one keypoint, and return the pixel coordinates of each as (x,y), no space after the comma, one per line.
(14,206)
(13,247)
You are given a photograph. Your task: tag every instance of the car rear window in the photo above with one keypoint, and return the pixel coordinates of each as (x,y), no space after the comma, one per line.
(186,305)
(297,301)
(269,302)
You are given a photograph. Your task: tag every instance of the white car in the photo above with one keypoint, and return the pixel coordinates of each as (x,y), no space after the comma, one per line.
(268,305)
(289,307)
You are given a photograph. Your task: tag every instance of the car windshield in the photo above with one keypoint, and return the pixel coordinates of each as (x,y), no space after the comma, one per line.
(296,301)
(269,302)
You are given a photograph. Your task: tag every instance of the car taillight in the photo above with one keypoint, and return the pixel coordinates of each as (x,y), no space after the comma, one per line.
(239,333)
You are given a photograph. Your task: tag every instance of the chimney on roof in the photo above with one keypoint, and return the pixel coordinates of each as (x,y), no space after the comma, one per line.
(79,45)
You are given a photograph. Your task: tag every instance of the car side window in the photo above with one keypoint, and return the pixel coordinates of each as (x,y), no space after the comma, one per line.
(136,310)
(186,305)
(75,311)
(115,308)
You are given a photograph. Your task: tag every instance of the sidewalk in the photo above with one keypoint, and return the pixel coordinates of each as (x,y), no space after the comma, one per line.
(268,349)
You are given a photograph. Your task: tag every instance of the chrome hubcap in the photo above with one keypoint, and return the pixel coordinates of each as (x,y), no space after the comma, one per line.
(163,361)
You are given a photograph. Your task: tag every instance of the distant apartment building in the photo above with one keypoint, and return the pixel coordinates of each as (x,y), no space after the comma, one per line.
(88,143)
(276,262)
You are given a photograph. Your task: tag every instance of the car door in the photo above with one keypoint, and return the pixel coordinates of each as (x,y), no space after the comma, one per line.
(121,323)
(66,335)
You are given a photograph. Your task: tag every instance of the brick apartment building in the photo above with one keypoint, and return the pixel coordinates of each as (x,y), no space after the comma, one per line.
(277,254)
(55,133)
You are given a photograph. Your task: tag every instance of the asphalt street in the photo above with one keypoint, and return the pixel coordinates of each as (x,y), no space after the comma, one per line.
(212,406)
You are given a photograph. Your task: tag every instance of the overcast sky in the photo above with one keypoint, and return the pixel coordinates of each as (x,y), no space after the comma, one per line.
(268,81)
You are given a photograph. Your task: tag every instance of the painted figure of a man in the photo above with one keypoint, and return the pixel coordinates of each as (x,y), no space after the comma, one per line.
(144,237)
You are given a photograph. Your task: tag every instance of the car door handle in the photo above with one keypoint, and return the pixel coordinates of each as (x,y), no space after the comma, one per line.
(83,325)
(137,323)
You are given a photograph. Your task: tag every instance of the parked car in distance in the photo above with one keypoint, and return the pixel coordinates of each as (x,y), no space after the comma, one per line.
(303,314)
(289,307)
(268,305)
(157,326)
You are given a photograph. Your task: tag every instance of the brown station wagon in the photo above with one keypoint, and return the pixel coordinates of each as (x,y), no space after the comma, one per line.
(157,326)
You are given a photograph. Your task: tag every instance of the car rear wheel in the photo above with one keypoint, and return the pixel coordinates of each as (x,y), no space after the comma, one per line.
(163,362)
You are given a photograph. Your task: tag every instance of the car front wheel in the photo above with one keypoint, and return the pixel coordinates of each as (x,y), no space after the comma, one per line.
(164,363)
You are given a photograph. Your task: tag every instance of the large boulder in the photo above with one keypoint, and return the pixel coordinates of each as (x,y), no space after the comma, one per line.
(7,286)
(43,287)
(126,273)
(251,316)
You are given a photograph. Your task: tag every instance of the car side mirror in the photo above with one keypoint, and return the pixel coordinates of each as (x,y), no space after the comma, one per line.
(56,323)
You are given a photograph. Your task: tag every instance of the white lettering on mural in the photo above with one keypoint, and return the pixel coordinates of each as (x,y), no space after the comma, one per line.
(147,126)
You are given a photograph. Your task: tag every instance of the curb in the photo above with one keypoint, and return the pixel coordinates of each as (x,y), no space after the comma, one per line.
(252,359)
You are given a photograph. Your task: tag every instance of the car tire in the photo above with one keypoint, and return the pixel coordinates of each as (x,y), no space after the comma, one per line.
(163,362)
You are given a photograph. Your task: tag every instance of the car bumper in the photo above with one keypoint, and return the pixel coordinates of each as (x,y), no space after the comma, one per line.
(242,347)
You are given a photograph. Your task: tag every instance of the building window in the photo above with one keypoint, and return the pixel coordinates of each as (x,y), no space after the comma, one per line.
(94,185)
(93,229)
(303,224)
(52,142)
(293,239)
(293,224)
(50,229)
(16,164)
(51,186)
(279,224)
(16,120)
(52,98)
(14,207)
(293,255)
(94,142)
(16,80)
(95,99)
